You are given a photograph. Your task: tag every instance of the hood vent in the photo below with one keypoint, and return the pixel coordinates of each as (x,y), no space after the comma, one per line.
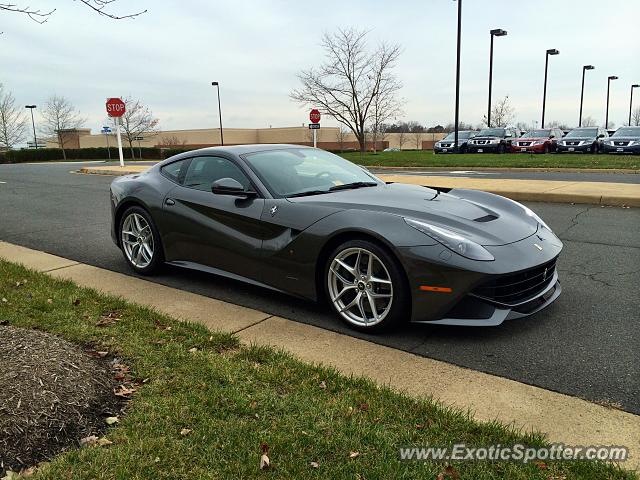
(486,218)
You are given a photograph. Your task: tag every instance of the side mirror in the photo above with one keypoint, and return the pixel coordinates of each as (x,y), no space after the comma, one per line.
(552,136)
(601,135)
(229,186)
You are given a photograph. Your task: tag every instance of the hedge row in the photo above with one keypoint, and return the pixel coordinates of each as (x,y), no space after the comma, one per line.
(102,153)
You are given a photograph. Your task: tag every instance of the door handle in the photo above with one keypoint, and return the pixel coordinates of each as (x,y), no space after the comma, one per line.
(170,201)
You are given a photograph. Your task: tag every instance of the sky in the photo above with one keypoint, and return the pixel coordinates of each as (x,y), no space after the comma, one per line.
(168,57)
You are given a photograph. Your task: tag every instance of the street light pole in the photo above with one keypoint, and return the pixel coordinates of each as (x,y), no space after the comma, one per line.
(551,51)
(631,101)
(494,33)
(457,114)
(217,85)
(33,124)
(584,69)
(606,116)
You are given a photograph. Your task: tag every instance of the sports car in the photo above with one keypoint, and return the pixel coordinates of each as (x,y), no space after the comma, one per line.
(309,223)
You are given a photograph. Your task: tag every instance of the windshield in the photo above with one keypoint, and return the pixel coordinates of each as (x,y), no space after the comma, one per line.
(461,135)
(294,171)
(582,132)
(627,132)
(492,132)
(537,134)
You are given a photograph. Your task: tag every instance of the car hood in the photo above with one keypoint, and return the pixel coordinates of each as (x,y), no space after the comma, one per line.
(487,137)
(531,139)
(624,139)
(577,139)
(496,221)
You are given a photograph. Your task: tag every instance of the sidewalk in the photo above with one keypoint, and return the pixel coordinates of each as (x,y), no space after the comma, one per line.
(597,193)
(565,419)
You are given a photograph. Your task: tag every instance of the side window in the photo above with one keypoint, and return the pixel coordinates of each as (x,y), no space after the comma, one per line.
(203,171)
(175,171)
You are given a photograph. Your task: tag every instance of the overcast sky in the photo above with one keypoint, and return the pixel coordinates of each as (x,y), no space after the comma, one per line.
(168,57)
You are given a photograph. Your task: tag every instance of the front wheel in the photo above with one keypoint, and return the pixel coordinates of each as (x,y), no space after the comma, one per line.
(140,241)
(501,148)
(365,286)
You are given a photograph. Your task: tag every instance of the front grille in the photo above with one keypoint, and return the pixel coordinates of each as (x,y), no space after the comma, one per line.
(480,142)
(622,144)
(571,143)
(515,288)
(445,145)
(524,144)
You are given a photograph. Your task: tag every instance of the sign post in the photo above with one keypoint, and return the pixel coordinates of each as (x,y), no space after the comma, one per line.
(138,139)
(115,109)
(106,130)
(314,116)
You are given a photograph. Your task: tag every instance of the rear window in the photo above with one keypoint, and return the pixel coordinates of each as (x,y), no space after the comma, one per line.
(174,171)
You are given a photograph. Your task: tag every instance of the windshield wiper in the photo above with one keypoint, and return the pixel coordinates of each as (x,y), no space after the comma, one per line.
(348,186)
(308,192)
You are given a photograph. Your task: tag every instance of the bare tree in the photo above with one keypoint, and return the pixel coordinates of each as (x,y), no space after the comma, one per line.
(402,138)
(341,134)
(351,80)
(589,122)
(137,121)
(12,120)
(59,117)
(635,117)
(172,142)
(418,138)
(502,114)
(41,16)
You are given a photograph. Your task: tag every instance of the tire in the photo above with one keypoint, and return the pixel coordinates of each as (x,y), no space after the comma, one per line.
(594,149)
(350,292)
(140,237)
(501,149)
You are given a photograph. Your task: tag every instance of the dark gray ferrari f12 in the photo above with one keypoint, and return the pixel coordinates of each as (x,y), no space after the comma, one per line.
(309,223)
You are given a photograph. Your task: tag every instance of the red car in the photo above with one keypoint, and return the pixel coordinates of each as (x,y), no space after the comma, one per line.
(537,141)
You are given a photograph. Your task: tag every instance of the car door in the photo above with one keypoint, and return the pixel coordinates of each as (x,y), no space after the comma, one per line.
(214,230)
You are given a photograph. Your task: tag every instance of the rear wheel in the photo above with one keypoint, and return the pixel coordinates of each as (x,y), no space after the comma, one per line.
(365,286)
(501,148)
(140,241)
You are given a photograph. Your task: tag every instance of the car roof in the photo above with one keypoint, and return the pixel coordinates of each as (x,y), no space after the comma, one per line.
(233,150)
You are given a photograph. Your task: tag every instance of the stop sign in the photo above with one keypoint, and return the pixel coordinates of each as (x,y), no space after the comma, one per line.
(115,107)
(314,116)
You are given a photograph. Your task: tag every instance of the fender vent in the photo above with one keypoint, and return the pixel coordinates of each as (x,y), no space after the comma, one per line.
(486,218)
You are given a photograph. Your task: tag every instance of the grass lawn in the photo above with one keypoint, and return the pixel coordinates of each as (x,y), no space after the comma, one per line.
(234,398)
(425,158)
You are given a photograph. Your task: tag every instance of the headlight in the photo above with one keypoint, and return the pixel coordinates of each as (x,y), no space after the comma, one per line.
(452,240)
(497,140)
(538,142)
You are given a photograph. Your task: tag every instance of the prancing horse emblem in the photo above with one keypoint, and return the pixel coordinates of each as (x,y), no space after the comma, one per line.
(274,210)
(537,246)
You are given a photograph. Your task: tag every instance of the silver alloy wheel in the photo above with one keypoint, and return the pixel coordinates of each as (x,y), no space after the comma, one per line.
(360,287)
(137,240)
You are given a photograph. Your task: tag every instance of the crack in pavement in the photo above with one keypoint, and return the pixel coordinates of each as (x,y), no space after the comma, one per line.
(574,220)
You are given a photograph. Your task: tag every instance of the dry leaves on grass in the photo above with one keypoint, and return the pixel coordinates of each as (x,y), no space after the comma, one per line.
(449,472)
(264,458)
(123,391)
(185,431)
(354,454)
(108,318)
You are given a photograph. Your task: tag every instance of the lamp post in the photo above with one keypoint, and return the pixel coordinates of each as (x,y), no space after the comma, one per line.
(606,116)
(217,85)
(631,100)
(551,51)
(584,69)
(498,32)
(457,112)
(33,124)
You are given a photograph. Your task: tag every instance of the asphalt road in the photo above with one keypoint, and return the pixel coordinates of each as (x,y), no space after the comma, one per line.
(587,344)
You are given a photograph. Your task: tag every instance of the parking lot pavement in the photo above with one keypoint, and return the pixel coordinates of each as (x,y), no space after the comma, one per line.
(586,344)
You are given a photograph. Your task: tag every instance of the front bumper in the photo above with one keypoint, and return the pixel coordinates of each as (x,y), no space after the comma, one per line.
(489,147)
(528,149)
(632,149)
(586,148)
(466,301)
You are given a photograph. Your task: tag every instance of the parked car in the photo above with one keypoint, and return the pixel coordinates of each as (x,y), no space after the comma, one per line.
(309,223)
(537,141)
(624,140)
(496,140)
(446,144)
(583,139)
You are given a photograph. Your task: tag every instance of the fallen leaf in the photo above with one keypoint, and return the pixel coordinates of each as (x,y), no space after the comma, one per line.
(156,460)
(27,472)
(49,300)
(108,318)
(541,465)
(11,476)
(103,442)
(111,420)
(88,441)
(449,472)
(4,299)
(264,461)
(363,407)
(18,284)
(123,391)
(102,354)
(185,431)
(354,454)
(323,385)
(193,350)
(314,464)
(264,448)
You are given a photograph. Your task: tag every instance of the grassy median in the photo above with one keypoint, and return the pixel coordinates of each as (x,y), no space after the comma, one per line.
(426,159)
(209,407)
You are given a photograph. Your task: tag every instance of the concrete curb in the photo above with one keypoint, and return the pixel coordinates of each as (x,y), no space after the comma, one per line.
(508,169)
(562,418)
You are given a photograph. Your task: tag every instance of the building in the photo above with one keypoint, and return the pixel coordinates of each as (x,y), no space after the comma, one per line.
(329,138)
